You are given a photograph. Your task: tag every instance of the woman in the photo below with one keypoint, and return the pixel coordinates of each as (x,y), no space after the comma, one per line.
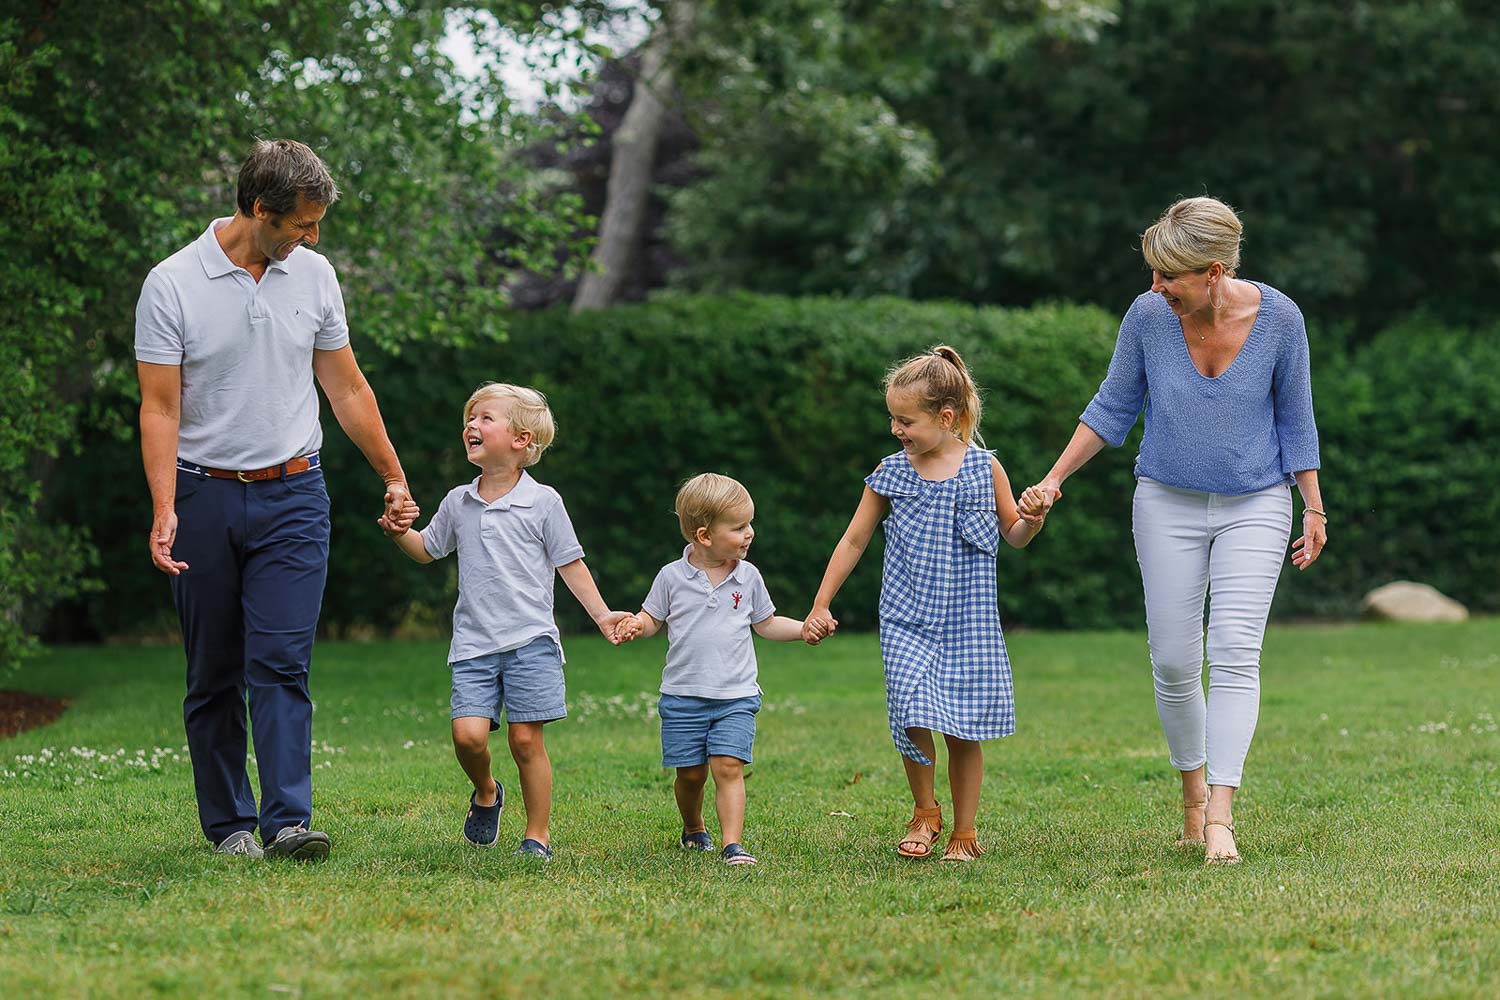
(1220,365)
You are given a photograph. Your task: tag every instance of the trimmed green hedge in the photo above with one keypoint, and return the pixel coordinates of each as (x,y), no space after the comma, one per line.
(784,394)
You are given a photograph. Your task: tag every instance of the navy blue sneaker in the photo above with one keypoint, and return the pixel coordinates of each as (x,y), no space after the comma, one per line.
(534,849)
(699,841)
(734,854)
(482,825)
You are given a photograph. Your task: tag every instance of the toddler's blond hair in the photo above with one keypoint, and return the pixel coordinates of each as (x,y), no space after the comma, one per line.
(527,411)
(707,498)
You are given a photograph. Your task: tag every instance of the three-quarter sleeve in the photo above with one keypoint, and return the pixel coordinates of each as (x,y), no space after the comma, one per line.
(1122,394)
(1291,397)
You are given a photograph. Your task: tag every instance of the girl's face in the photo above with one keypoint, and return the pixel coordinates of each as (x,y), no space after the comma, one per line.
(728,537)
(488,437)
(919,430)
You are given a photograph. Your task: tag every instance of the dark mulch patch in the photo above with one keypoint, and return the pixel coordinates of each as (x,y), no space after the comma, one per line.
(22,710)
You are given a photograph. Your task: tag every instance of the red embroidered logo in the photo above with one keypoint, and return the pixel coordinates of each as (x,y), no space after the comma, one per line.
(736,600)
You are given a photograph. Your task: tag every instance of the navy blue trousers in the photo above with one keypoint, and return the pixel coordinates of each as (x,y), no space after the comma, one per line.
(257,556)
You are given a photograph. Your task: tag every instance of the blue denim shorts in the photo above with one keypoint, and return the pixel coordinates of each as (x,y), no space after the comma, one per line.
(695,729)
(527,682)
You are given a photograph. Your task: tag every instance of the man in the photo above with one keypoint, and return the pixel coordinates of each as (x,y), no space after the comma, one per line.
(230,333)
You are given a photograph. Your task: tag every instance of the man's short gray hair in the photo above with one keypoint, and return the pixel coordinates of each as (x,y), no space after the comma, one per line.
(277,171)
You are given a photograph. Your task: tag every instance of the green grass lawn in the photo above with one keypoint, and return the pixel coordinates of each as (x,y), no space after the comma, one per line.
(1369,823)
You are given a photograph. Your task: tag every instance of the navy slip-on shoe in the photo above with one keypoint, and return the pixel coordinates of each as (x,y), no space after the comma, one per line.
(696,841)
(482,825)
(535,849)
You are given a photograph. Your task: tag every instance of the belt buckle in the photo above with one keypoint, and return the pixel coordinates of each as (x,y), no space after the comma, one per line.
(241,477)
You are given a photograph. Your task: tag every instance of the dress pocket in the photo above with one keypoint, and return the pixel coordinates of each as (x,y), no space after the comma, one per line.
(977,520)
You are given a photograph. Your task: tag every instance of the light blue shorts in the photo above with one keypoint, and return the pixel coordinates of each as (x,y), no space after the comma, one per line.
(527,682)
(695,729)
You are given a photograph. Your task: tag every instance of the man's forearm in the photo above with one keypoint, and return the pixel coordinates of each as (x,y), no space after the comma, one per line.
(359,415)
(159,454)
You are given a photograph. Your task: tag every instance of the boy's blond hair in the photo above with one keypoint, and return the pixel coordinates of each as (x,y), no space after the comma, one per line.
(527,411)
(707,498)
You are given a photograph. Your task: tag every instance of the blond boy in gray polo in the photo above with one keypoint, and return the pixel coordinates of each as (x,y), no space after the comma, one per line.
(512,534)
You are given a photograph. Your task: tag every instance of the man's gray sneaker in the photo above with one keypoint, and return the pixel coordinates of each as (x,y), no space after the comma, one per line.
(242,843)
(299,844)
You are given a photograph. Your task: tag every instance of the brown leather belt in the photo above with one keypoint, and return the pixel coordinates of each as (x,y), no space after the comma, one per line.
(288,468)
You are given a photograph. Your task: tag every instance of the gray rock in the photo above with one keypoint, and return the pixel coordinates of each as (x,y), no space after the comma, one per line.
(1404,601)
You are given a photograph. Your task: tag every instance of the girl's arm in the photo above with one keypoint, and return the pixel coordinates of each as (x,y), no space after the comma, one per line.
(872,507)
(1306,549)
(581,582)
(1018,531)
(779,628)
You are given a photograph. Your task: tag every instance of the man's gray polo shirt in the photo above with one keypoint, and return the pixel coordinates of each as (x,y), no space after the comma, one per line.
(245,349)
(508,554)
(710,650)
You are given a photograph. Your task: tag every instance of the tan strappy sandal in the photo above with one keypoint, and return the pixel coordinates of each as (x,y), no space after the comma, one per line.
(1221,859)
(1185,840)
(963,845)
(921,832)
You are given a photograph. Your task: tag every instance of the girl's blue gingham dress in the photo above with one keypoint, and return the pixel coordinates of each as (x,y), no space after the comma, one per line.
(946,668)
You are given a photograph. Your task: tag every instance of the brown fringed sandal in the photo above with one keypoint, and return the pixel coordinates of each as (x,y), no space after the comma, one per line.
(963,845)
(1185,840)
(1221,859)
(921,832)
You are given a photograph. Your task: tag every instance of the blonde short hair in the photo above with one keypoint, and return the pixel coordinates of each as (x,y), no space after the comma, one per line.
(940,378)
(707,498)
(1191,235)
(526,409)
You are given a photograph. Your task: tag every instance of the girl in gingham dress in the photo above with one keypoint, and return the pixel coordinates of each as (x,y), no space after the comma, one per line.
(946,503)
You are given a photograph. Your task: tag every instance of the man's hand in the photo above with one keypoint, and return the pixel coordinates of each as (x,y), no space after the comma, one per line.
(397,496)
(400,524)
(163,534)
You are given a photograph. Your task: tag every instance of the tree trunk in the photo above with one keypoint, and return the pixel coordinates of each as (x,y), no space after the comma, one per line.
(632,160)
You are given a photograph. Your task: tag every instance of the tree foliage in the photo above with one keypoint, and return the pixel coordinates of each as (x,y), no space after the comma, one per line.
(1014,151)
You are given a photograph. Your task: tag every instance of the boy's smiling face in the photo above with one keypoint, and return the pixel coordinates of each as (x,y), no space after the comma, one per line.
(728,537)
(489,440)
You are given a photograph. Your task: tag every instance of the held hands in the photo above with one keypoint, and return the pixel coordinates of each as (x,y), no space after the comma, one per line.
(819,625)
(627,629)
(609,625)
(1305,550)
(397,523)
(1037,500)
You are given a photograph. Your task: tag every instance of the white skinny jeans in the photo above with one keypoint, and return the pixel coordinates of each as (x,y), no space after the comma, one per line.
(1191,545)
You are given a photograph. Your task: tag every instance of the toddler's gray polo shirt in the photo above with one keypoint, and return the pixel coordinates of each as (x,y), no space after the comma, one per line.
(508,554)
(710,650)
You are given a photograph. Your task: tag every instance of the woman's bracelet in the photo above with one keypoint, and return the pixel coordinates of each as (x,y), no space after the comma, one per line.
(1314,510)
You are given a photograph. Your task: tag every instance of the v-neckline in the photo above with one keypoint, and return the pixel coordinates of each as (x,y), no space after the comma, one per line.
(1260,312)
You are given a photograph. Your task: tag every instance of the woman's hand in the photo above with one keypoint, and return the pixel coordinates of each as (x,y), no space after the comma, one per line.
(1305,550)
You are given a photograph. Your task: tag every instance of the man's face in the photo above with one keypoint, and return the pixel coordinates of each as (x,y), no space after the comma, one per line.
(277,236)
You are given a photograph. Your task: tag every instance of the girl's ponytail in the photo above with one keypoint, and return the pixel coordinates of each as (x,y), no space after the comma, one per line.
(940,378)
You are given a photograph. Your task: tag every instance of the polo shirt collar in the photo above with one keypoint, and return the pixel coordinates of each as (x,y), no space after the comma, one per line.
(216,262)
(689,570)
(525,493)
